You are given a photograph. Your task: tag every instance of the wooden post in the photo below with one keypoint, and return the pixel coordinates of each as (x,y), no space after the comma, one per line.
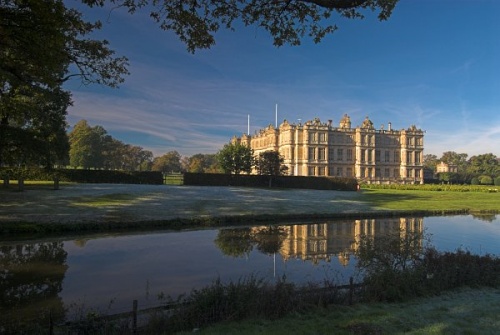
(20,184)
(351,290)
(51,324)
(56,182)
(134,317)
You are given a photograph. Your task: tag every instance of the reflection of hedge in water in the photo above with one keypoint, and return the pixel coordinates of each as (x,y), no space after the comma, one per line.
(240,242)
(30,282)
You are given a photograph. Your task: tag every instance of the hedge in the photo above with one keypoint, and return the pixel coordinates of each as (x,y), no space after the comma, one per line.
(84,176)
(317,183)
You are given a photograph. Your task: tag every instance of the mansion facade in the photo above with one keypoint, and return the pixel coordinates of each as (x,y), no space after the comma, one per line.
(370,155)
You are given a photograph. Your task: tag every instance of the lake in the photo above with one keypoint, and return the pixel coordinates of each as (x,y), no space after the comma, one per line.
(108,272)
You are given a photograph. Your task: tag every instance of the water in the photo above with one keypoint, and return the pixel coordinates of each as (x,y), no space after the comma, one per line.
(109,272)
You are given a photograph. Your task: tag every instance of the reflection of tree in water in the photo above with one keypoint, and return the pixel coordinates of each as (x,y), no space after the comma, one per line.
(488,217)
(241,241)
(235,242)
(31,278)
(270,239)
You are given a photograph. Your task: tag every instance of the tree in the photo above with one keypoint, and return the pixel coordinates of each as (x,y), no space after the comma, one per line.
(196,22)
(43,44)
(430,162)
(33,129)
(169,162)
(270,163)
(201,163)
(88,146)
(453,158)
(235,158)
(486,164)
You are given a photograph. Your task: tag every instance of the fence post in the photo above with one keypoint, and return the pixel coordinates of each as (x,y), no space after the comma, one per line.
(51,324)
(20,184)
(134,317)
(351,290)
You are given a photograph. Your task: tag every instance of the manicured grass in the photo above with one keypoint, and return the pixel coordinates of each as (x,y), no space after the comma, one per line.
(115,199)
(409,200)
(466,311)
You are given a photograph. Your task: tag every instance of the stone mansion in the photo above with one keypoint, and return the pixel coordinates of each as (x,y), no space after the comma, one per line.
(370,155)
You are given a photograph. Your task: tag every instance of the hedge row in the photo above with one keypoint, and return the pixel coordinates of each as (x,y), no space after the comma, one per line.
(84,176)
(317,183)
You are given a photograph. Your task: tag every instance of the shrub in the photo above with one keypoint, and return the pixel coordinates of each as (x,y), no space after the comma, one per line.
(497,181)
(474,181)
(485,180)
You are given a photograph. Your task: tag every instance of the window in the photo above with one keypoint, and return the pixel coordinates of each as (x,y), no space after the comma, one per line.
(409,157)
(387,156)
(321,170)
(349,172)
(330,171)
(396,157)
(339,171)
(349,155)
(363,172)
(409,173)
(312,137)
(396,173)
(322,137)
(370,156)
(312,154)
(340,154)
(387,173)
(363,152)
(377,173)
(330,154)
(321,153)
(377,155)
(311,171)
(417,157)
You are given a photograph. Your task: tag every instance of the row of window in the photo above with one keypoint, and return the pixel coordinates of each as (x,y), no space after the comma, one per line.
(364,172)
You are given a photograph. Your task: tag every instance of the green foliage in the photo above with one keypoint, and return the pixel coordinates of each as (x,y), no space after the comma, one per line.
(83,176)
(270,163)
(485,180)
(196,22)
(201,163)
(92,147)
(302,182)
(169,162)
(43,45)
(474,187)
(497,181)
(402,265)
(235,158)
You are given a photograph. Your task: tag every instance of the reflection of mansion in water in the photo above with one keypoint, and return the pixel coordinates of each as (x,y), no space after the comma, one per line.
(322,241)
(371,155)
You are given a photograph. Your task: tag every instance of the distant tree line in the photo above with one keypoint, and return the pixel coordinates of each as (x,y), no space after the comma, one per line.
(91,147)
(480,169)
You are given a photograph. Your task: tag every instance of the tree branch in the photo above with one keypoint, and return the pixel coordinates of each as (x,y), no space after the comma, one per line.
(337,4)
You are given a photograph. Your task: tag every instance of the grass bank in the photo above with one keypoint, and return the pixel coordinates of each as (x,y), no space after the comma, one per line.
(430,200)
(466,311)
(88,208)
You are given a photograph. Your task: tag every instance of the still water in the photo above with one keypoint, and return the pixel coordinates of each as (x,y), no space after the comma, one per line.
(109,272)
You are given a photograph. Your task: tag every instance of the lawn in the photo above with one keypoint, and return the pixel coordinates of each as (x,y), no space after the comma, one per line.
(461,312)
(409,200)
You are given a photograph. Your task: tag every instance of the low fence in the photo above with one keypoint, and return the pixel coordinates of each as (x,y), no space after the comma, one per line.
(137,318)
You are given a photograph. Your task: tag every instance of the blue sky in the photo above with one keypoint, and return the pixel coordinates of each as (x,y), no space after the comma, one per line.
(435,64)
